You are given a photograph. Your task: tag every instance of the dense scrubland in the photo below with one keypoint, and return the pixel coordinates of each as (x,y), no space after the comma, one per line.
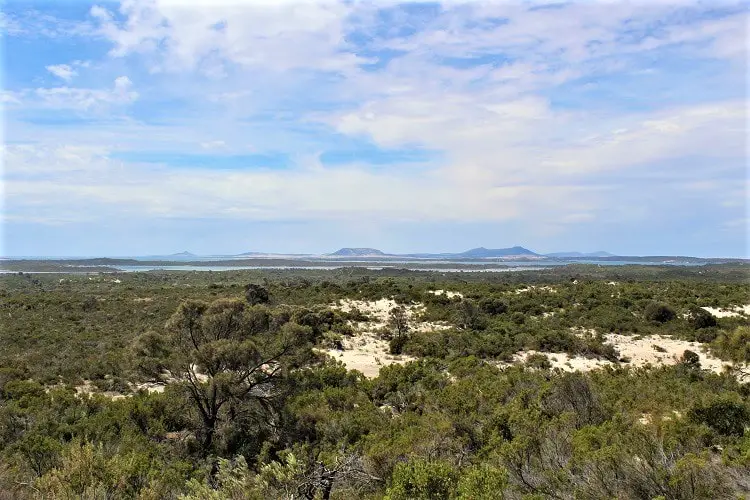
(217,385)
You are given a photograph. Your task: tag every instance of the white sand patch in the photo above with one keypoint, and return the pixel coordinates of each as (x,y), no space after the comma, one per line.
(653,350)
(730,312)
(88,388)
(548,289)
(447,293)
(580,331)
(643,351)
(648,418)
(563,361)
(367,354)
(150,387)
(366,351)
(378,310)
(428,326)
(143,299)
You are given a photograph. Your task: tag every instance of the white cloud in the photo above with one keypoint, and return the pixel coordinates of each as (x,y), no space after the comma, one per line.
(36,23)
(62,71)
(35,160)
(508,151)
(84,99)
(276,36)
(83,182)
(7,97)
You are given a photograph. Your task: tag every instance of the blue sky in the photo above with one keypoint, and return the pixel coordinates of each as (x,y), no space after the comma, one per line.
(148,127)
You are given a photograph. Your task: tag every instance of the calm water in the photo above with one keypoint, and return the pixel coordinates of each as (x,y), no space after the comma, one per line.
(432,265)
(371,268)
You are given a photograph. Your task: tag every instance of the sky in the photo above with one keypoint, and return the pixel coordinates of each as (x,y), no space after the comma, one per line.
(154,127)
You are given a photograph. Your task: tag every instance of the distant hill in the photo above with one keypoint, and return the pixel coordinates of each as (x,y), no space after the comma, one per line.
(579,254)
(481,252)
(182,254)
(357,252)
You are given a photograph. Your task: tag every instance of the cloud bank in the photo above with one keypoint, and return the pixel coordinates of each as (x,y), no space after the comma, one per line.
(541,124)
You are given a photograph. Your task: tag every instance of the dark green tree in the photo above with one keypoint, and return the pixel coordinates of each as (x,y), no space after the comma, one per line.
(256,294)
(700,318)
(728,418)
(659,312)
(230,366)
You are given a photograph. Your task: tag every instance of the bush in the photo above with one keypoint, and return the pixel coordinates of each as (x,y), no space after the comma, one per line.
(482,483)
(659,312)
(421,479)
(728,418)
(397,343)
(700,318)
(90,304)
(691,360)
(539,361)
(734,346)
(493,306)
(256,294)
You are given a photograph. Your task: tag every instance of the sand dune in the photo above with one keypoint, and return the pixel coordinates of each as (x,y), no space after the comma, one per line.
(726,313)
(653,350)
(366,351)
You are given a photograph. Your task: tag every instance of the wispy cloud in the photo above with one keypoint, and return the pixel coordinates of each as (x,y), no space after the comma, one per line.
(75,98)
(62,71)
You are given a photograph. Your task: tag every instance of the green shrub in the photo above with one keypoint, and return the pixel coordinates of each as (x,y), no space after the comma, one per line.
(728,418)
(659,312)
(422,480)
(539,361)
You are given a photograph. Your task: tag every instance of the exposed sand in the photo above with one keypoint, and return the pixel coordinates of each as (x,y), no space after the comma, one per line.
(562,361)
(365,351)
(539,288)
(648,418)
(447,293)
(366,354)
(641,351)
(726,313)
(88,388)
(150,387)
(378,310)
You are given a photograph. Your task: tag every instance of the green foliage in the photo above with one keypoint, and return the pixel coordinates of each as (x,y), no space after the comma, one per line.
(659,312)
(398,323)
(286,421)
(733,346)
(256,294)
(700,318)
(233,480)
(397,343)
(422,480)
(689,359)
(493,305)
(538,361)
(728,418)
(229,363)
(87,471)
(482,482)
